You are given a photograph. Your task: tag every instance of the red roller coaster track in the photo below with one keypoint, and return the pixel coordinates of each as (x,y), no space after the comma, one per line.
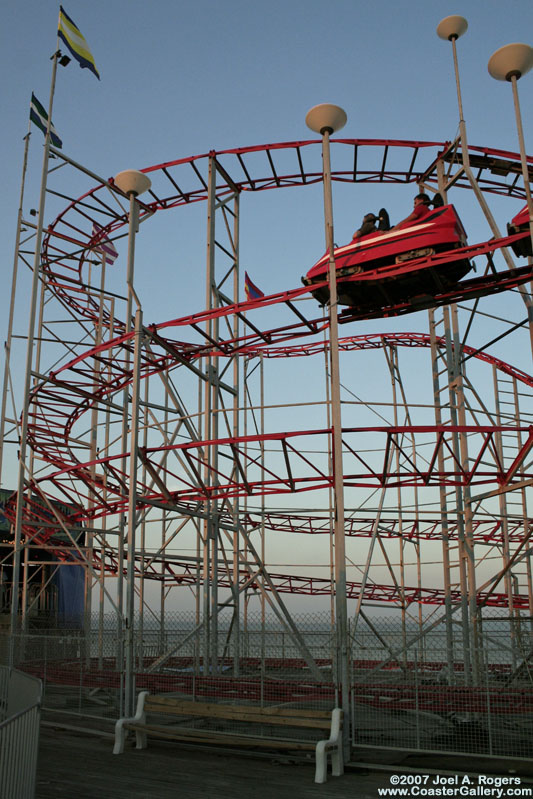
(62,397)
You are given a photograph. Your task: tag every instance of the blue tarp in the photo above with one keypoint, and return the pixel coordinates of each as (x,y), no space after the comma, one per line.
(70,581)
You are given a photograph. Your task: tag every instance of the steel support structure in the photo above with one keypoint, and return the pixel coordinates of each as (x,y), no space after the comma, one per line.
(222,289)
(474,454)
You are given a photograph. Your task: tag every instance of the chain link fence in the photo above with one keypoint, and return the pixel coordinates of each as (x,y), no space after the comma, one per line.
(414,686)
(455,690)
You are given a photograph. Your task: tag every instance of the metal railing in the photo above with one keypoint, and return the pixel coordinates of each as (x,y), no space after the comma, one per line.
(20,710)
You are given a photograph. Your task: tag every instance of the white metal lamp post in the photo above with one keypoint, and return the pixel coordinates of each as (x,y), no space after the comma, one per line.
(326,119)
(509,63)
(450,29)
(131,183)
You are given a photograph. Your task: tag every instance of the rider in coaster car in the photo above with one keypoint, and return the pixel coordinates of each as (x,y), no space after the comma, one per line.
(420,210)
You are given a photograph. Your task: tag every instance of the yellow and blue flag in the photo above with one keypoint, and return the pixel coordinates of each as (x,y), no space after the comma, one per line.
(73,38)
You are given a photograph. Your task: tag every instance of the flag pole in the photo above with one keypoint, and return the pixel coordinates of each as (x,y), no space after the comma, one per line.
(7,344)
(17,539)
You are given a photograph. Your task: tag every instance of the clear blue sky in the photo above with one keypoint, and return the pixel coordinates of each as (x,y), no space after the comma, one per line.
(182,78)
(179,79)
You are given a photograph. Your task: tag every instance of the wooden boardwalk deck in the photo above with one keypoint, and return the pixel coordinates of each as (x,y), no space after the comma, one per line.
(80,765)
(74,765)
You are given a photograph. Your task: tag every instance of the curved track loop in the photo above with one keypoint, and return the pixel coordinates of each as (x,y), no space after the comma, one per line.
(71,398)
(63,397)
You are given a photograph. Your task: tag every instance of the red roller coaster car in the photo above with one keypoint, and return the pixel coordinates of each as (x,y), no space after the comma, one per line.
(518,224)
(440,231)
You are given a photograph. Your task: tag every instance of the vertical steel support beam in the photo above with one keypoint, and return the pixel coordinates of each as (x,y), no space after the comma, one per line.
(210,576)
(214,407)
(200,546)
(17,539)
(31,465)
(452,362)
(103,549)
(236,428)
(126,644)
(525,517)
(93,442)
(263,509)
(162,591)
(331,512)
(391,363)
(502,500)
(338,474)
(94,452)
(469,547)
(443,503)
(444,511)
(129,690)
(246,598)
(143,534)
